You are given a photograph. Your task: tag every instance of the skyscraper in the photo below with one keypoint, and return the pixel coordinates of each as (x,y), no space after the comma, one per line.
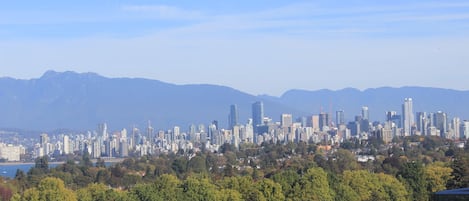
(150,131)
(233,118)
(464,130)
(422,122)
(286,120)
(66,144)
(456,124)
(257,114)
(408,116)
(365,113)
(339,117)
(102,131)
(323,120)
(441,122)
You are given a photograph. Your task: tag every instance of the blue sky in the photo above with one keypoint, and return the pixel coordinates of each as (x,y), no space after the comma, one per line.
(260,47)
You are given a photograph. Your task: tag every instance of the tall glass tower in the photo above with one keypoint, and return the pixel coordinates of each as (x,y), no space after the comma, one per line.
(365,113)
(408,116)
(339,117)
(233,118)
(257,114)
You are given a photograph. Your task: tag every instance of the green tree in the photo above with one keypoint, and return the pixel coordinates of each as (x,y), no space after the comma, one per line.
(345,193)
(197,165)
(169,187)
(437,176)
(166,187)
(179,165)
(413,175)
(287,179)
(393,187)
(22,180)
(230,195)
(460,166)
(42,163)
(100,163)
(271,190)
(344,160)
(365,184)
(50,189)
(244,185)
(93,192)
(200,189)
(86,159)
(313,185)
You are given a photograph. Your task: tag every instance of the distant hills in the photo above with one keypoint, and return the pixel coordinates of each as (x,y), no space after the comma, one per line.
(80,101)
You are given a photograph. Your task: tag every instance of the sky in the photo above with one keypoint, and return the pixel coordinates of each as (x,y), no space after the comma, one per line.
(259,47)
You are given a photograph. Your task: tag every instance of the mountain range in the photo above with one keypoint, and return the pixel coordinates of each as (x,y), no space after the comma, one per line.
(80,101)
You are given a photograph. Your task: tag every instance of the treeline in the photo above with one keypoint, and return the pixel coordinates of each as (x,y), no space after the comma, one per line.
(412,169)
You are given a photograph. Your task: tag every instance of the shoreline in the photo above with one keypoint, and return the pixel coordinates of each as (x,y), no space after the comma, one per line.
(111,160)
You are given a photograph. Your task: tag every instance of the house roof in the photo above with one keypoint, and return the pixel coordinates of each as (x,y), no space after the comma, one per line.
(461,191)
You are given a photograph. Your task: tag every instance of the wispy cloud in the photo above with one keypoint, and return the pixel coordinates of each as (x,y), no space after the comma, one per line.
(164,12)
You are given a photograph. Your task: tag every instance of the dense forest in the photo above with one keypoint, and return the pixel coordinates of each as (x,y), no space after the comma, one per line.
(409,169)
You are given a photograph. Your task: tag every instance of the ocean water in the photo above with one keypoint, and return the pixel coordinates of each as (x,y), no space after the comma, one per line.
(9,170)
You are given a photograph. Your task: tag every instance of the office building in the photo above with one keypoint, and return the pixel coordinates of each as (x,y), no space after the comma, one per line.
(102,131)
(286,120)
(339,117)
(422,122)
(456,124)
(441,122)
(257,115)
(365,113)
(66,145)
(407,116)
(233,118)
(323,121)
(464,130)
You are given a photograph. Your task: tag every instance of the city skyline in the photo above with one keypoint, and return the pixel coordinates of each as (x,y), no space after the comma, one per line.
(316,128)
(360,44)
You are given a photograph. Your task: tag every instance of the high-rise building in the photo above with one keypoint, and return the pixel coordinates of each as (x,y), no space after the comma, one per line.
(339,117)
(315,122)
(102,131)
(257,114)
(233,118)
(286,120)
(456,124)
(123,147)
(150,131)
(96,148)
(408,116)
(44,140)
(365,113)
(441,122)
(66,144)
(422,122)
(390,115)
(464,130)
(176,133)
(323,120)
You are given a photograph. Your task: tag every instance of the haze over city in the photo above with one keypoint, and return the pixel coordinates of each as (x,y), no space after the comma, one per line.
(262,47)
